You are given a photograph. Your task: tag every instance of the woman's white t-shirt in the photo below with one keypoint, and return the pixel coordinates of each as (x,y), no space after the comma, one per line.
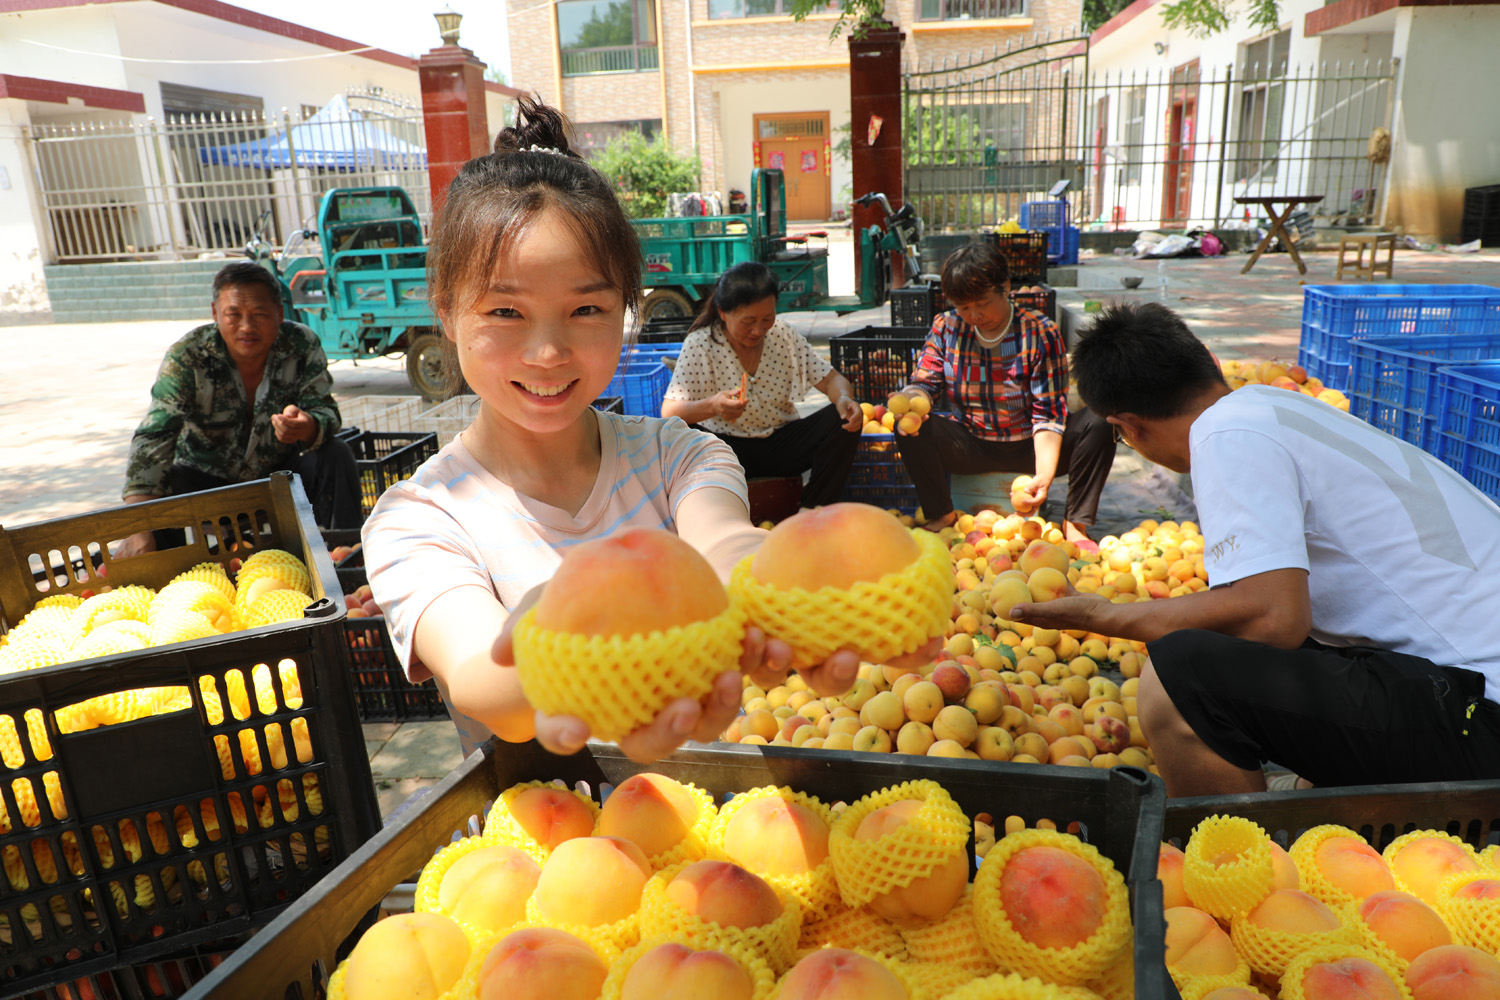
(789,368)
(1399,548)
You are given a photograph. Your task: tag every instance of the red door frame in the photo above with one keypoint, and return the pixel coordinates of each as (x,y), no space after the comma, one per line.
(1182,118)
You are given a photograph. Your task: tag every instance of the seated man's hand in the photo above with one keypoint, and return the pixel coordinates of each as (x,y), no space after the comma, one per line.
(141,541)
(1075,610)
(851,414)
(1031,496)
(294,425)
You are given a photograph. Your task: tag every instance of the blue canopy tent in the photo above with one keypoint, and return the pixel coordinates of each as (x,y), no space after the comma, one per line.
(338,137)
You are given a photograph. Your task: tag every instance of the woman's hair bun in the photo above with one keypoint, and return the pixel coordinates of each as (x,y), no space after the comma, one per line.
(536,125)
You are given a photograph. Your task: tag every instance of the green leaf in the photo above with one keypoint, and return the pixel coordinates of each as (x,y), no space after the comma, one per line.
(644,173)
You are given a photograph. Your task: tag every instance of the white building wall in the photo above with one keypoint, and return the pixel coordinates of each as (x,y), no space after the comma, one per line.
(738,102)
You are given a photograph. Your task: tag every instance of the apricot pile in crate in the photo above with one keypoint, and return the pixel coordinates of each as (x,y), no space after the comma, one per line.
(1283,376)
(658,895)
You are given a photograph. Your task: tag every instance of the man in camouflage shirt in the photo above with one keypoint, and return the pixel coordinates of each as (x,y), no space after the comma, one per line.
(202,429)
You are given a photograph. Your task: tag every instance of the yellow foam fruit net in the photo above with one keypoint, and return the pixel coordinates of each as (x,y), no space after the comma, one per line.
(1395,847)
(105,642)
(905,972)
(621,934)
(1011,986)
(1292,978)
(127,626)
(953,939)
(1230,889)
(195,595)
(695,845)
(1490,858)
(1076,965)
(617,684)
(276,606)
(1269,951)
(48,620)
(762,979)
(776,942)
(32,653)
(124,602)
(1200,985)
(463,987)
(274,562)
(1474,922)
(500,826)
(210,573)
(181,626)
(846,927)
(1304,856)
(935,979)
(68,601)
(817,891)
(1118,981)
(878,619)
(869,868)
(1364,935)
(430,885)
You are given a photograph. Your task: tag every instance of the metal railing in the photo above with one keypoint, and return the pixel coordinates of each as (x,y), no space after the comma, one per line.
(1142,149)
(162,190)
(963,10)
(618,59)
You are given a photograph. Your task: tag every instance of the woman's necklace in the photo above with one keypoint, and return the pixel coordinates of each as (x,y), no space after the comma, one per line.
(987,343)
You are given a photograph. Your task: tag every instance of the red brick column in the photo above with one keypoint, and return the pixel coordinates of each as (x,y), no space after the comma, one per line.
(875,89)
(453,114)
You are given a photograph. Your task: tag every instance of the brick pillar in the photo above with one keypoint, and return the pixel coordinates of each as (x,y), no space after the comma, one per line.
(875,89)
(453,114)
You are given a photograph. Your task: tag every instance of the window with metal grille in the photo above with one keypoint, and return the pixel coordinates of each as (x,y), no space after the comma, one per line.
(1134,132)
(753,8)
(590,137)
(1262,97)
(790,128)
(964,10)
(607,36)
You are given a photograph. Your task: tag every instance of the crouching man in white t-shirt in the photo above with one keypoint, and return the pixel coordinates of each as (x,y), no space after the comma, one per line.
(1351,630)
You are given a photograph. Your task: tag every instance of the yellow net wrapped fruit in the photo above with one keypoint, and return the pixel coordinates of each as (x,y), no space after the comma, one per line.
(1340,970)
(278,561)
(124,602)
(66,601)
(669,821)
(657,626)
(925,844)
(1421,861)
(210,573)
(105,642)
(50,620)
(1226,868)
(847,576)
(865,972)
(181,626)
(1010,986)
(1469,903)
(592,882)
(427,952)
(935,980)
(535,960)
(724,972)
(783,836)
(1118,981)
(1410,924)
(195,595)
(1200,955)
(536,817)
(276,606)
(1490,858)
(707,902)
(951,940)
(1051,906)
(139,631)
(845,927)
(1284,925)
(482,885)
(1336,865)
(32,653)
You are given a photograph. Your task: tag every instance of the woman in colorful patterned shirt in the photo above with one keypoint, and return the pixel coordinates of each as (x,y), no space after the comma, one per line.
(739,376)
(1004,370)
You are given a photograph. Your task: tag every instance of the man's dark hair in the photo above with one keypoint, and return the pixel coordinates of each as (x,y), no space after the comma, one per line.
(973,271)
(247,274)
(744,284)
(1141,358)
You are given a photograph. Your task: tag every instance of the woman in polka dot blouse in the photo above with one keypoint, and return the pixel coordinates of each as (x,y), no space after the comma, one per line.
(740,375)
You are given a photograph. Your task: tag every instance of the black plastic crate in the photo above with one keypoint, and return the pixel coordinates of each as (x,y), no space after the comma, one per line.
(385,458)
(1044,301)
(913,306)
(1026,253)
(878,476)
(877,360)
(170,976)
(1482,201)
(153,837)
(1118,810)
(668,330)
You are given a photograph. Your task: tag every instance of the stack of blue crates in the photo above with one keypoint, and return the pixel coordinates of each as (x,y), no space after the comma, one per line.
(1051,217)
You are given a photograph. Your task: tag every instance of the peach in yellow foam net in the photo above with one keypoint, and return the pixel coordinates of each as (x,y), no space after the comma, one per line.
(461,988)
(195,595)
(1475,921)
(124,602)
(935,979)
(1118,981)
(501,827)
(211,573)
(1362,934)
(1269,950)
(180,625)
(776,942)
(903,971)
(1292,979)
(1226,867)
(1395,847)
(1201,985)
(878,619)
(33,652)
(277,562)
(952,939)
(846,927)
(869,868)
(428,898)
(276,606)
(616,684)
(1304,854)
(1012,986)
(762,979)
(695,844)
(621,934)
(469,982)
(105,642)
(817,891)
(1076,965)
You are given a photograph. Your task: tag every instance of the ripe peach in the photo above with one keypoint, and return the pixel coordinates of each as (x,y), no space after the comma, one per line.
(1110,734)
(1039,554)
(1196,945)
(1353,866)
(1351,977)
(656,812)
(646,579)
(552,815)
(952,680)
(1404,923)
(1052,898)
(415,955)
(1454,972)
(923,701)
(872,739)
(1032,745)
(1006,593)
(1047,584)
(777,837)
(674,971)
(541,963)
(1283,870)
(885,710)
(987,700)
(1421,865)
(725,894)
(838,545)
(915,738)
(836,974)
(1014,721)
(1069,746)
(1294,912)
(994,743)
(1234,993)
(592,881)
(1047,728)
(1023,696)
(1169,870)
(949,748)
(956,723)
(929,897)
(1065,715)
(488,887)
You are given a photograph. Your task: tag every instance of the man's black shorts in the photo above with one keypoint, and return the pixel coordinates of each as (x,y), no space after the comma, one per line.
(1335,716)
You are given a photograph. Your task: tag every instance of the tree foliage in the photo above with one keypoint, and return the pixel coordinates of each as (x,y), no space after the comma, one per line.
(855,14)
(1096,12)
(935,134)
(645,172)
(615,28)
(1201,18)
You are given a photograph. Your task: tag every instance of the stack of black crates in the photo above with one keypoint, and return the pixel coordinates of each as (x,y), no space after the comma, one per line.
(1482,216)
(917,304)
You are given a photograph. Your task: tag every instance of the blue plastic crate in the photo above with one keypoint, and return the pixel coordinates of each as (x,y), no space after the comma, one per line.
(1334,315)
(1468,433)
(641,384)
(1393,381)
(879,476)
(1070,246)
(1050,217)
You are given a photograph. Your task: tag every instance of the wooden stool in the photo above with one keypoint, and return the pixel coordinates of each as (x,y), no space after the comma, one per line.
(774,498)
(1357,242)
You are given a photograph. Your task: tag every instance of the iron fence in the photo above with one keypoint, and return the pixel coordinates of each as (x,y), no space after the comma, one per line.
(175,189)
(1141,149)
(618,59)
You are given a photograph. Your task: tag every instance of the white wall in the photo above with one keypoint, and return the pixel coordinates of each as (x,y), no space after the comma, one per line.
(22,289)
(739,102)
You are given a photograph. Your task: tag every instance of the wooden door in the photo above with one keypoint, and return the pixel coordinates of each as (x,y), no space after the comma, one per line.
(798,145)
(1177,187)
